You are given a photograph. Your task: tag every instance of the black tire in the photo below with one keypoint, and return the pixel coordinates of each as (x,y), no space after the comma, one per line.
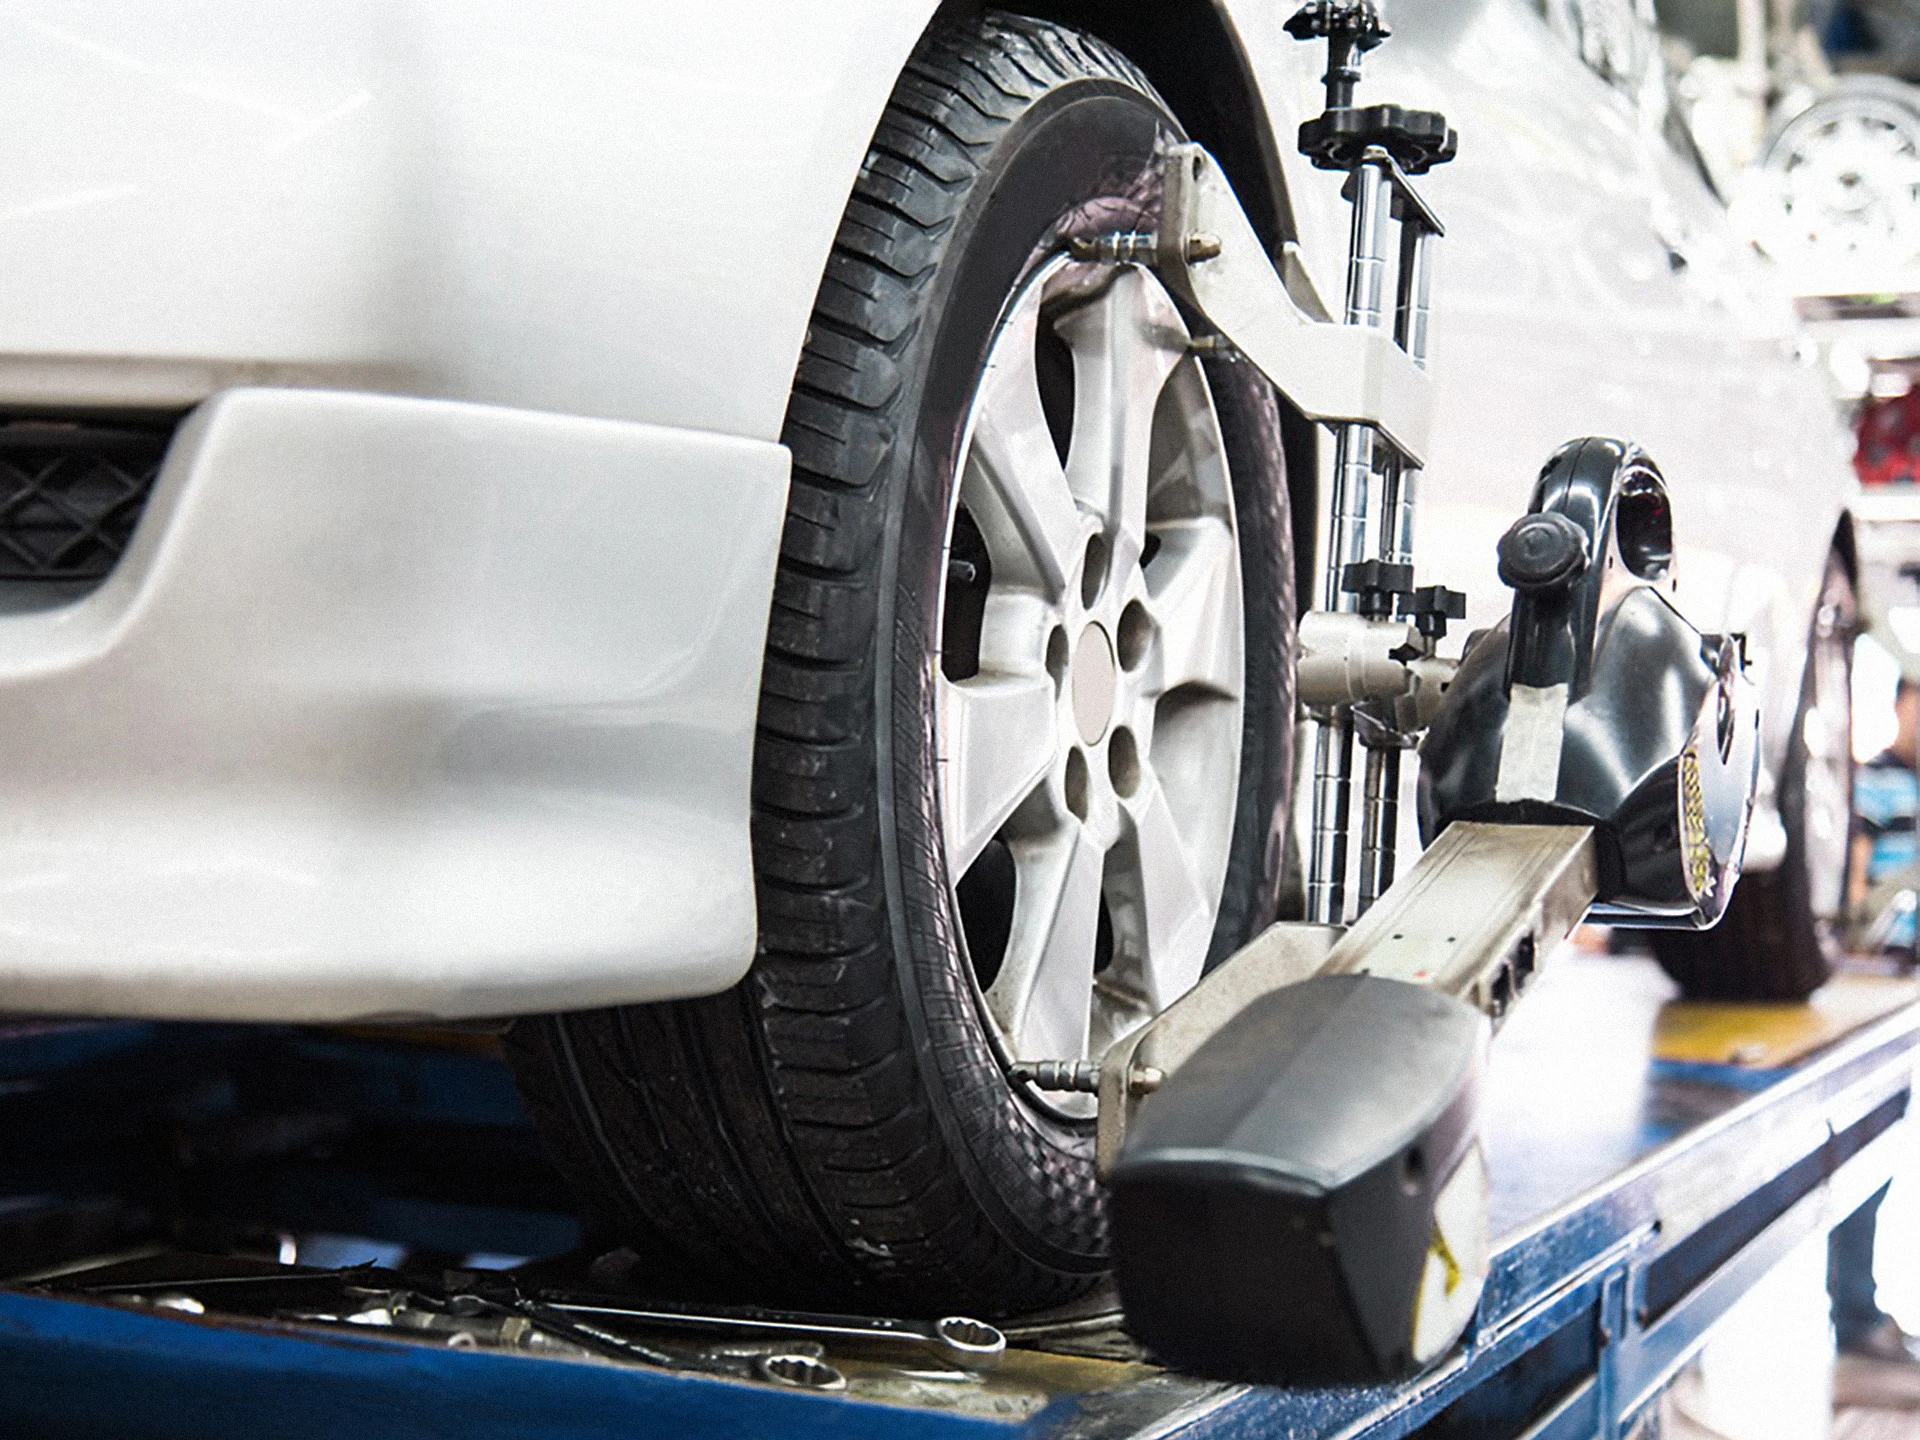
(1782,931)
(839,1129)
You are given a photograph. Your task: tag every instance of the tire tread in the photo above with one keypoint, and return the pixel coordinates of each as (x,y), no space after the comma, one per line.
(780,1135)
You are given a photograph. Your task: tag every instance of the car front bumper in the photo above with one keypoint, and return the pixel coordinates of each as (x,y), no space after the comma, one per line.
(395,708)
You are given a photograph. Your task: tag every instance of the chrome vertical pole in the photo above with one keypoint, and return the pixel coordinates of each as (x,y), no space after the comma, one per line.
(1410,332)
(1332,787)
(1356,447)
(1355,461)
(1380,824)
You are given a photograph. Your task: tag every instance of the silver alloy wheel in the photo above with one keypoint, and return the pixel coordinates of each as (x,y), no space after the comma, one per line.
(1826,740)
(1090,710)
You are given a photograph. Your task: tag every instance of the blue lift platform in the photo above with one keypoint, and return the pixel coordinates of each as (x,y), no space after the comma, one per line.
(170,1192)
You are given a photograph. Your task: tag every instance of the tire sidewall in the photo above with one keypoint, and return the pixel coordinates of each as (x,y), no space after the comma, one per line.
(1821,935)
(1769,945)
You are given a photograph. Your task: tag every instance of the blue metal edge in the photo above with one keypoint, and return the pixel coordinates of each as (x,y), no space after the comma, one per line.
(178,1376)
(1731,1077)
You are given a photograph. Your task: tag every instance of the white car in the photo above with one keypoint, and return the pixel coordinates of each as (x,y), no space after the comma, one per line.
(629,513)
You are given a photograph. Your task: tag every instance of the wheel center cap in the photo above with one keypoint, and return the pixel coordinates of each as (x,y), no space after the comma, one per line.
(1092,682)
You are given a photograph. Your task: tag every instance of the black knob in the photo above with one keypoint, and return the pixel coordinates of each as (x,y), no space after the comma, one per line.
(1377,583)
(1357,20)
(1418,139)
(1543,552)
(1430,608)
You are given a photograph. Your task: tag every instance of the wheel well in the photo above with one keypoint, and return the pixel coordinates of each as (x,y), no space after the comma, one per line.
(1188,50)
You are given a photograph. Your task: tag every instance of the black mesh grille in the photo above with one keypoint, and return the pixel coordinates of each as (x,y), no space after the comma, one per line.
(70,495)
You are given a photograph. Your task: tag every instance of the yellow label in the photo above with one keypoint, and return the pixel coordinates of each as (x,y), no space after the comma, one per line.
(1695,853)
(1438,1248)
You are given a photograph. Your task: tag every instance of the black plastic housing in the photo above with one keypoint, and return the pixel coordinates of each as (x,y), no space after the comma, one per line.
(1274,1203)
(1659,745)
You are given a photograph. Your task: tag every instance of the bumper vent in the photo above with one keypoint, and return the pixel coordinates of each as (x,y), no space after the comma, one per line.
(70,495)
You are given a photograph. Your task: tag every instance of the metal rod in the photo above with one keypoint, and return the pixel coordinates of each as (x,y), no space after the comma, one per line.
(1356,457)
(1380,824)
(1413,310)
(1332,798)
(1401,484)
(1356,446)
(1367,243)
(1399,502)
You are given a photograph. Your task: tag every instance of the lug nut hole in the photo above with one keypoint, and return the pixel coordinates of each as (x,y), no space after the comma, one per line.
(1136,633)
(1123,762)
(1093,572)
(1057,655)
(1077,782)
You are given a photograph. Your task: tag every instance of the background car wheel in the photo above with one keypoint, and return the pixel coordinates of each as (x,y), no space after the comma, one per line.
(1781,933)
(1025,727)
(1834,188)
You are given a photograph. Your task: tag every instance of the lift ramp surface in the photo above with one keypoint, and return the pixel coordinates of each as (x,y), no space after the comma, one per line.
(1636,1199)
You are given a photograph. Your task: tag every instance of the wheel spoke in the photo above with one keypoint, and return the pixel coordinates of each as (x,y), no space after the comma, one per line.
(1125,344)
(1194,589)
(1162,916)
(1145,441)
(1042,997)
(1014,484)
(997,740)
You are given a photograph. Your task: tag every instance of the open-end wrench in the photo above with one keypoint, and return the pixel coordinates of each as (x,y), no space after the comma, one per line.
(954,1339)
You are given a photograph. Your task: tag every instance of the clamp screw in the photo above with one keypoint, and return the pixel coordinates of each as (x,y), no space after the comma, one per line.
(1340,139)
(1141,247)
(1350,30)
(1118,247)
(1201,246)
(1081,1076)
